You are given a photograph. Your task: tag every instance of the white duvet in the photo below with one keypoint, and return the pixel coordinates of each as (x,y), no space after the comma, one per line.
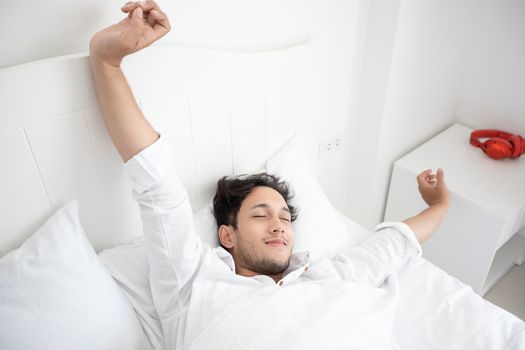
(437,311)
(327,315)
(426,308)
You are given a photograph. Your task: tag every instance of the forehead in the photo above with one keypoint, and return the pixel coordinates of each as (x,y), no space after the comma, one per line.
(263,195)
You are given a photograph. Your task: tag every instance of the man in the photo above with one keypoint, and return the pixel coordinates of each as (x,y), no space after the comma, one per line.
(252,292)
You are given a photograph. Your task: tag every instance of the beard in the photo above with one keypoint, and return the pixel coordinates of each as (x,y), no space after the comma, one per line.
(251,259)
(266,266)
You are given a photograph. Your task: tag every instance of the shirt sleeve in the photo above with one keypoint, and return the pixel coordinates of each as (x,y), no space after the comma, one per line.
(379,256)
(173,248)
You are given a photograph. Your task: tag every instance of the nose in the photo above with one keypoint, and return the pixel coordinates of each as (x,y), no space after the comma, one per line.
(277,226)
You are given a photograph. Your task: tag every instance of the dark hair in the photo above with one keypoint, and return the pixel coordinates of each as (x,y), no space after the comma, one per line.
(231,192)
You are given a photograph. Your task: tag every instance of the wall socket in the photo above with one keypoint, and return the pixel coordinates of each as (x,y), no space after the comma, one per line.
(329,146)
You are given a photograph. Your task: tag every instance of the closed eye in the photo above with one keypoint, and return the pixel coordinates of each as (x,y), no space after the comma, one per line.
(286,219)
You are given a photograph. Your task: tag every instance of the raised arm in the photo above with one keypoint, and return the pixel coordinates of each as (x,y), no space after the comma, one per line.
(173,249)
(435,193)
(128,128)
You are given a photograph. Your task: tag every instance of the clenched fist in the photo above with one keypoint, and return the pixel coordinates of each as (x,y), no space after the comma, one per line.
(433,188)
(145,24)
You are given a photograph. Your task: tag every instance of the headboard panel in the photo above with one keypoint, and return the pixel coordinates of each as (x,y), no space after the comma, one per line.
(222,112)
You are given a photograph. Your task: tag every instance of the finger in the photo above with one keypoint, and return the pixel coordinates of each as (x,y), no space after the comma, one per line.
(162,23)
(148,5)
(422,178)
(440,175)
(160,28)
(423,175)
(150,19)
(128,7)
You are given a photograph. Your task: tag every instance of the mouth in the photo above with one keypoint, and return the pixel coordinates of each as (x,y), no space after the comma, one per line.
(278,243)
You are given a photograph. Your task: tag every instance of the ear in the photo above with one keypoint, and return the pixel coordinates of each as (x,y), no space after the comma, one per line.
(226,236)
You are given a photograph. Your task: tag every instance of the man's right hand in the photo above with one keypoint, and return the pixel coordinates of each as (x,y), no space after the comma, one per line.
(145,24)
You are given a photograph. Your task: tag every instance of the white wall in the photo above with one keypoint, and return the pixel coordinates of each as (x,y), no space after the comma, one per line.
(334,87)
(493,94)
(440,61)
(378,39)
(36,30)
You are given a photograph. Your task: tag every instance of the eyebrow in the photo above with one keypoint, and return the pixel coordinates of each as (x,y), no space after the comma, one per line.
(266,206)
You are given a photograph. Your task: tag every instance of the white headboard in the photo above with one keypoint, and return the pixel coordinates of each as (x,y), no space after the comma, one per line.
(223,112)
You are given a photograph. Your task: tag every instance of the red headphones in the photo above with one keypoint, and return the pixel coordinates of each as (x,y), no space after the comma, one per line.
(500,144)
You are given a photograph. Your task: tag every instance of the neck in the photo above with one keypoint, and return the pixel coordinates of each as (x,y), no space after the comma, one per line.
(246,272)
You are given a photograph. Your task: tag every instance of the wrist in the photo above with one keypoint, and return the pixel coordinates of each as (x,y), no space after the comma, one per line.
(103,66)
(99,58)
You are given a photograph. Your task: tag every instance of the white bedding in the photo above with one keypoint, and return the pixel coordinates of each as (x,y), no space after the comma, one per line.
(437,311)
(434,311)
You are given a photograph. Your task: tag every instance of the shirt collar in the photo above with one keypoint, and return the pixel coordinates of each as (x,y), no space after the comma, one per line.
(298,260)
(226,257)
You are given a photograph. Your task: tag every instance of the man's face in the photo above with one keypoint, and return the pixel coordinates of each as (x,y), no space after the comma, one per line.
(264,237)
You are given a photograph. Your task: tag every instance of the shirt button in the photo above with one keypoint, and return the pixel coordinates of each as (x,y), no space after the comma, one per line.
(280,283)
(306,269)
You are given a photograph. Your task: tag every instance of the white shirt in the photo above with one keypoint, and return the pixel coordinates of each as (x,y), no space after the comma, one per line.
(347,302)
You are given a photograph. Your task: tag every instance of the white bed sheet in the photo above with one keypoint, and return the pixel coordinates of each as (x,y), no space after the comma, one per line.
(436,310)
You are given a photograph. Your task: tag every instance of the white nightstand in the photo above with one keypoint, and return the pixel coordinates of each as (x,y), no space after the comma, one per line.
(478,241)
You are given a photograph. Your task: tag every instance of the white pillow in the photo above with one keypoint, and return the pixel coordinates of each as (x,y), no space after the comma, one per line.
(206,225)
(319,228)
(56,294)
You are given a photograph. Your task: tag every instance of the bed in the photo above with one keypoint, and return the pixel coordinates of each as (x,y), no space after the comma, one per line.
(73,272)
